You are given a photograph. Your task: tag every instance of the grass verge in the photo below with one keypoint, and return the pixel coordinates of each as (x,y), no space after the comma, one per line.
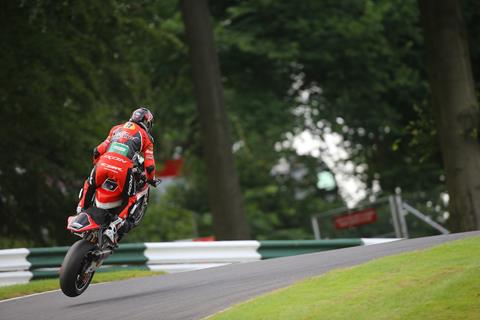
(37,286)
(438,283)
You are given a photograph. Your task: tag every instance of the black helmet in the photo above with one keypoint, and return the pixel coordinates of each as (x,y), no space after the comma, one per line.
(143,117)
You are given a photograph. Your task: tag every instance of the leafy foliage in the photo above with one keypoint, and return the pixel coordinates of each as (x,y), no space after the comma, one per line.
(71,70)
(165,221)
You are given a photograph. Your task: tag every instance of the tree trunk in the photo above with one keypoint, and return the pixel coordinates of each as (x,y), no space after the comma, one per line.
(456,108)
(225,197)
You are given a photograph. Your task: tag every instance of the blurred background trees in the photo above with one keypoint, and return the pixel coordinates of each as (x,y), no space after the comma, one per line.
(351,74)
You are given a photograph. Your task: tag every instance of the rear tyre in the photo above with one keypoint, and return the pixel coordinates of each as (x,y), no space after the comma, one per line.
(74,277)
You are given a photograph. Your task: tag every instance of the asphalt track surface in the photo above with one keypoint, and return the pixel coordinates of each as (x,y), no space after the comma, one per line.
(198,294)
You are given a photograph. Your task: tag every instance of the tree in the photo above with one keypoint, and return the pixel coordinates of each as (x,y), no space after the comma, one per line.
(225,197)
(456,107)
(363,58)
(59,77)
(69,72)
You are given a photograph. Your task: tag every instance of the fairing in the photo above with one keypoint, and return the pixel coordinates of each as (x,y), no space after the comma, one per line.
(81,223)
(106,197)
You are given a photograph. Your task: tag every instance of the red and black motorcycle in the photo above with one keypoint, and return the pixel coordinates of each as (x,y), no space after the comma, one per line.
(98,226)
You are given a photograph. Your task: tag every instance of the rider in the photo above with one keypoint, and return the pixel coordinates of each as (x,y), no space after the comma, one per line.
(113,159)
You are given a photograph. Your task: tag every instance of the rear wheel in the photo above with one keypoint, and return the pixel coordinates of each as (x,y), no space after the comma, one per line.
(75,275)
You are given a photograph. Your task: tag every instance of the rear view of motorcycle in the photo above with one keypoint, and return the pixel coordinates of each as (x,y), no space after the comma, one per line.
(99,227)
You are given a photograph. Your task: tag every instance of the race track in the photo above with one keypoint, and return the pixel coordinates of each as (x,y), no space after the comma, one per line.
(197,294)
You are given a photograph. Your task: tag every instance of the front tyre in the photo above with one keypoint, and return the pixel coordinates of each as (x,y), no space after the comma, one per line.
(74,272)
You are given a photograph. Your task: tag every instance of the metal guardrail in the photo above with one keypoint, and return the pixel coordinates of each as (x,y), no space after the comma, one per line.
(14,259)
(202,252)
(22,265)
(399,209)
(425,218)
(131,254)
(276,249)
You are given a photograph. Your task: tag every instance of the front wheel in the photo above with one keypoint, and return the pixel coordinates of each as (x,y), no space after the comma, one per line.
(75,275)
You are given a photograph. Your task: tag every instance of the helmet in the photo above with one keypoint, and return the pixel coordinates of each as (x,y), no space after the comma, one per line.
(143,117)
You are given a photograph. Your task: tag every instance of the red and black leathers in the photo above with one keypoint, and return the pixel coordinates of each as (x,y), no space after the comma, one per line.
(114,163)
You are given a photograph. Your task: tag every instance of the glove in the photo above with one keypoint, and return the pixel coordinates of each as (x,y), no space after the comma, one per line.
(154,182)
(142,179)
(96,155)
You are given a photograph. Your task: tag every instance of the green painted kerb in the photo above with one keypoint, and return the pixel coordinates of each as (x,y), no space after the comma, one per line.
(282,248)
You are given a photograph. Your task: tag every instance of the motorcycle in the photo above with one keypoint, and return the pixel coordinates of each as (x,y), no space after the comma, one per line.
(98,226)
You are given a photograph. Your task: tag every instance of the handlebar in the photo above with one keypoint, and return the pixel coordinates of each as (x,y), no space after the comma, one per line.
(155,182)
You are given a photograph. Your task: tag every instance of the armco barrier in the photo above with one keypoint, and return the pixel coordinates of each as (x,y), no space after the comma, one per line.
(283,248)
(14,277)
(22,265)
(202,252)
(44,262)
(130,253)
(46,257)
(184,256)
(14,259)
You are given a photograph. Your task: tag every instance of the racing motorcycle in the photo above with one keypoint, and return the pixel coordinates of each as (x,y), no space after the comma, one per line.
(98,226)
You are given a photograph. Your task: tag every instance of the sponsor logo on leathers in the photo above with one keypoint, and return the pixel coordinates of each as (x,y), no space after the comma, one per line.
(106,165)
(121,134)
(110,157)
(130,185)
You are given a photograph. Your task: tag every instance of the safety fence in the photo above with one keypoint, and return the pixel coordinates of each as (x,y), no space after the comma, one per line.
(22,265)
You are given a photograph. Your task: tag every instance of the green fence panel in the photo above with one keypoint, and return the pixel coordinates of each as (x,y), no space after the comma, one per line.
(282,248)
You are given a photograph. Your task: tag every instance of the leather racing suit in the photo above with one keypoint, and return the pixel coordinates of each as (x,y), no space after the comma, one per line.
(113,160)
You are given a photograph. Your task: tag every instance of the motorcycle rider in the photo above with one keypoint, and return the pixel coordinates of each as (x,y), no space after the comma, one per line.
(113,160)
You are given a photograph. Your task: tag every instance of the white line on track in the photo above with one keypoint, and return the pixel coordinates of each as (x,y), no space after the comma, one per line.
(40,293)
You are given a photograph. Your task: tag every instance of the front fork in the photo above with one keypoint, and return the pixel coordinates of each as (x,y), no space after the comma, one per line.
(102,253)
(98,257)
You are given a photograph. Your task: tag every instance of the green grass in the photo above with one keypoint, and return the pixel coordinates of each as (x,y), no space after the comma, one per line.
(438,283)
(37,286)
